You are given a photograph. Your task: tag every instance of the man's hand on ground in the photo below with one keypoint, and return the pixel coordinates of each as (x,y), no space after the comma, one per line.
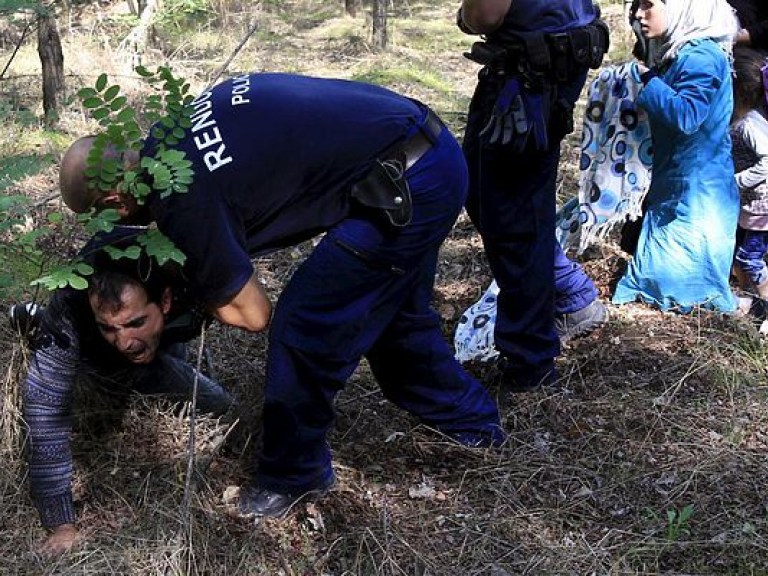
(61,540)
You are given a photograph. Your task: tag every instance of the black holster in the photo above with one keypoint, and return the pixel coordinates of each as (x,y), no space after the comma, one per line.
(385,188)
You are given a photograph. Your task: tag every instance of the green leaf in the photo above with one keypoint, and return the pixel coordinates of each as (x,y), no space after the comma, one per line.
(78,282)
(111,92)
(101,82)
(142,189)
(130,253)
(671,515)
(142,71)
(101,221)
(118,103)
(86,92)
(126,115)
(92,102)
(83,268)
(110,165)
(100,113)
(114,133)
(160,247)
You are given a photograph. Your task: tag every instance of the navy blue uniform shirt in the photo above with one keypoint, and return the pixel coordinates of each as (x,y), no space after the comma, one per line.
(550,16)
(274,157)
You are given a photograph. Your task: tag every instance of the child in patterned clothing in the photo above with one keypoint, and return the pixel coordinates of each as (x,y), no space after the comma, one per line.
(749,132)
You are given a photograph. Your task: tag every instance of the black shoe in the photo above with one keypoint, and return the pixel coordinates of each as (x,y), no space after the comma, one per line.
(257,502)
(517,378)
(581,322)
(24,318)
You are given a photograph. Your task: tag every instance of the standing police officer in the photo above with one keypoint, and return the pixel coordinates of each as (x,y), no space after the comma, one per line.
(535,57)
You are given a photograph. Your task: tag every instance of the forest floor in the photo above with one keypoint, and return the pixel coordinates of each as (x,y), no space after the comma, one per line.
(649,457)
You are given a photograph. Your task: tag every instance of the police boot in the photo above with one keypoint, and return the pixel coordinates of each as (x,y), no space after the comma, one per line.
(257,502)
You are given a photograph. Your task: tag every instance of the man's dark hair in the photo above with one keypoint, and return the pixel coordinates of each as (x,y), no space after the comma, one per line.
(110,278)
(108,285)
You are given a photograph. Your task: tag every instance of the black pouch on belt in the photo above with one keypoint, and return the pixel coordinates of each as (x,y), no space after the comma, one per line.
(385,188)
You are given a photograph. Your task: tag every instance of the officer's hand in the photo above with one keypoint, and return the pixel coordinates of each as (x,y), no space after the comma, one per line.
(61,540)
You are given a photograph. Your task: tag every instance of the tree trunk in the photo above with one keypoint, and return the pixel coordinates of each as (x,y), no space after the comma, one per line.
(380,24)
(52,61)
(136,42)
(350,6)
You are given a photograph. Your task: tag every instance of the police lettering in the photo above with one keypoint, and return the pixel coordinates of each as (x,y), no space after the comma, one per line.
(240,86)
(204,122)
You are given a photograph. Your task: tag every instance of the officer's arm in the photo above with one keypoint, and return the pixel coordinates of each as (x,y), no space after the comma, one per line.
(250,309)
(484,16)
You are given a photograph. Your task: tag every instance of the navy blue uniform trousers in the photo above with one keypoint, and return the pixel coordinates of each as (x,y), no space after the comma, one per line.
(512,203)
(366,291)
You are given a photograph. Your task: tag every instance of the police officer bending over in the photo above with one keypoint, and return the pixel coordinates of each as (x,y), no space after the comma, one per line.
(279,159)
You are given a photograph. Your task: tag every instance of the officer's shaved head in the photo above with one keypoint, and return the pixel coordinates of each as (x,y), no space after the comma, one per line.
(72,179)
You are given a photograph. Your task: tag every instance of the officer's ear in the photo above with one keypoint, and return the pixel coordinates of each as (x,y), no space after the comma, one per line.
(124,203)
(166,300)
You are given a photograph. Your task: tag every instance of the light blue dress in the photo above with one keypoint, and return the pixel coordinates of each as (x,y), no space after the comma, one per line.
(685,250)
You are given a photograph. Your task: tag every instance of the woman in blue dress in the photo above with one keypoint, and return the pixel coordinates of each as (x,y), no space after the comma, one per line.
(685,250)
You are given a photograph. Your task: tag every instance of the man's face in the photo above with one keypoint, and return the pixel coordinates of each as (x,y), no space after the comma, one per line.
(134,327)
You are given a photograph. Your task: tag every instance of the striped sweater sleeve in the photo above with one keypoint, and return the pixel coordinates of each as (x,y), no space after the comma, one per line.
(47,400)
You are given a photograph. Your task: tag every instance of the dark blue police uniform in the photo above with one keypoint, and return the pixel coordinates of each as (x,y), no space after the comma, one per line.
(536,64)
(278,159)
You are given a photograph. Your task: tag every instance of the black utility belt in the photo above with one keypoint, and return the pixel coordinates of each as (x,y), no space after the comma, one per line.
(385,187)
(556,56)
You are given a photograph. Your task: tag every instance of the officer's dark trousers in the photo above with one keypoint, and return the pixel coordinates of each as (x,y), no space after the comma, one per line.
(365,291)
(512,203)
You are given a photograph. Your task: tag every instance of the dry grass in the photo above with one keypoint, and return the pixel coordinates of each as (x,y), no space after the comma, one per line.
(655,413)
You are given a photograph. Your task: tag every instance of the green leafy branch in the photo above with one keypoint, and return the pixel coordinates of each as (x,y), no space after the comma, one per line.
(168,171)
(165,172)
